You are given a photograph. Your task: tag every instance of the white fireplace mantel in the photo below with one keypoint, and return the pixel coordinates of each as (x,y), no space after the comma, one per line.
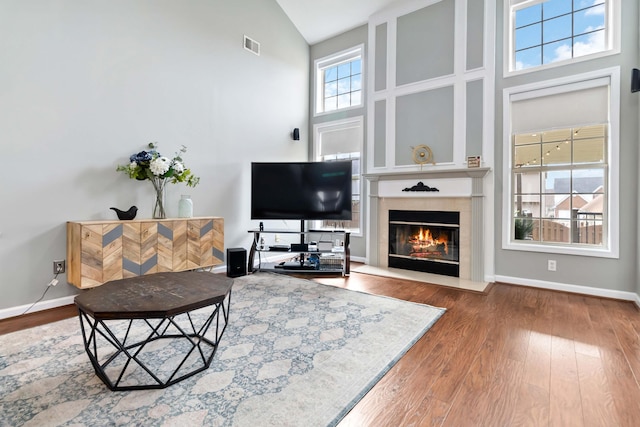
(452,183)
(428,173)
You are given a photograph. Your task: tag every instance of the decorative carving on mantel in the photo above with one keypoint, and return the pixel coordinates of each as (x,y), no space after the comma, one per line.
(420,187)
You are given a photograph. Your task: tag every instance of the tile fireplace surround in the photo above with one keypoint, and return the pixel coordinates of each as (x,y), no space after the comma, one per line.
(459,190)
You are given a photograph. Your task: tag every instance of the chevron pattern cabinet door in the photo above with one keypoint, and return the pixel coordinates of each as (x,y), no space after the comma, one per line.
(205,242)
(172,246)
(131,249)
(111,252)
(165,246)
(199,242)
(217,250)
(180,245)
(91,256)
(149,247)
(98,252)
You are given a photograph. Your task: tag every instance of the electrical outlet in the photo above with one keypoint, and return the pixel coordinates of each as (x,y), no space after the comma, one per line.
(277,238)
(58,267)
(551,265)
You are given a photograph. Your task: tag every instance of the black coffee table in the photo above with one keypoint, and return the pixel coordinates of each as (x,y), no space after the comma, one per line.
(125,357)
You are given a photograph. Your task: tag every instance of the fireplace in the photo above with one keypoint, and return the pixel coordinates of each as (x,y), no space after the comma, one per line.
(426,241)
(459,190)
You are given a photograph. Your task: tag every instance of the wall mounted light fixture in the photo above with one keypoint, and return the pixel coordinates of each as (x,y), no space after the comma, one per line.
(635,80)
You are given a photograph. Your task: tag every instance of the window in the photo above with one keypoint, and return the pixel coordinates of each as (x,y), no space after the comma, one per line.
(342,140)
(562,159)
(560,186)
(339,81)
(556,31)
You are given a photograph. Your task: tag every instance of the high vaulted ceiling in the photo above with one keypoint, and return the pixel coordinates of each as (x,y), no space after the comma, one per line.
(318,20)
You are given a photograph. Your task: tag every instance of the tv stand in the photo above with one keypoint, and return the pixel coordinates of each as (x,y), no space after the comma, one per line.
(325,258)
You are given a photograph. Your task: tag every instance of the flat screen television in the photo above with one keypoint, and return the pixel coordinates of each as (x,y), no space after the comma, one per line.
(301,190)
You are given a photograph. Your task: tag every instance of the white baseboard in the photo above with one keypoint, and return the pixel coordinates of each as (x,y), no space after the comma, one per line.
(576,289)
(44,305)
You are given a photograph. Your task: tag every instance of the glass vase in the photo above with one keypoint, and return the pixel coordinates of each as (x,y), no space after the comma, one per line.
(185,207)
(158,205)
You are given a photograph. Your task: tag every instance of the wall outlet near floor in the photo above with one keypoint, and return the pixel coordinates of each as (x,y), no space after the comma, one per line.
(551,265)
(58,267)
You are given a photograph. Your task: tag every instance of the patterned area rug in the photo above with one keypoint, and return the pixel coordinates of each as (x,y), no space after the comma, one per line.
(295,353)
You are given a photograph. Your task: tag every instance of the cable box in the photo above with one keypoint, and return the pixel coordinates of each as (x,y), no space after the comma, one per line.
(294,265)
(299,247)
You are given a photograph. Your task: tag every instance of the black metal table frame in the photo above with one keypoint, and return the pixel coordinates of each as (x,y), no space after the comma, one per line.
(197,338)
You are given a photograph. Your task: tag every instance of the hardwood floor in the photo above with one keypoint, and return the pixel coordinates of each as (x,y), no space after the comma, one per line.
(514,356)
(30,320)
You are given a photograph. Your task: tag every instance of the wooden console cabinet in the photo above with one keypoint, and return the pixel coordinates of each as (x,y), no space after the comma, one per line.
(100,251)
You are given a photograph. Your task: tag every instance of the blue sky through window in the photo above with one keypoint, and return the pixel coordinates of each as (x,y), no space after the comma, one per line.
(557,30)
(343,85)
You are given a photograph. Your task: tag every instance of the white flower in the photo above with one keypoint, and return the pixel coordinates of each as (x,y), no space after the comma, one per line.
(133,165)
(160,165)
(178,167)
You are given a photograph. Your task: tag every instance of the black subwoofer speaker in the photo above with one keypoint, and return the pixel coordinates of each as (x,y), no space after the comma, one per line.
(236,262)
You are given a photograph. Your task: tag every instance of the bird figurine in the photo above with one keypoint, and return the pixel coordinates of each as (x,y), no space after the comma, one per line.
(126,215)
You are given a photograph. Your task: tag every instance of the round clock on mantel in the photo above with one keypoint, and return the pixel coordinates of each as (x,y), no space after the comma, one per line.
(422,154)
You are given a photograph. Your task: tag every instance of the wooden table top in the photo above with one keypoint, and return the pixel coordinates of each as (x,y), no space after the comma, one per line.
(154,295)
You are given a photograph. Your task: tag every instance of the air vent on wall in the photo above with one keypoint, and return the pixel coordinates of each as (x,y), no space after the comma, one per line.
(252,45)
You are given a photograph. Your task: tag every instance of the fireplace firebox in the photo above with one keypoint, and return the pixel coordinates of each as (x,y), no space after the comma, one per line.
(426,241)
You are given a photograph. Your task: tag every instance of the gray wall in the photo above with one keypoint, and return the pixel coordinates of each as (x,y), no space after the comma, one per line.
(85,84)
(438,88)
(637,103)
(614,274)
(328,47)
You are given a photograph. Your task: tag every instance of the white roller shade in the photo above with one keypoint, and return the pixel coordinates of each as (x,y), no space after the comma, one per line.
(529,2)
(340,141)
(542,110)
(517,2)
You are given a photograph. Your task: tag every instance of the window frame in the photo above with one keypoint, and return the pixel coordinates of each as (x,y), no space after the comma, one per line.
(612,37)
(610,248)
(321,64)
(337,125)
(543,167)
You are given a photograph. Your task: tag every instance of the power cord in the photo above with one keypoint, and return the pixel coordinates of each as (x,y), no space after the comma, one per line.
(53,282)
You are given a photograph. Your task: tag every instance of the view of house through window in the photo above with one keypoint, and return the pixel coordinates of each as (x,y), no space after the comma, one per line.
(559,185)
(556,30)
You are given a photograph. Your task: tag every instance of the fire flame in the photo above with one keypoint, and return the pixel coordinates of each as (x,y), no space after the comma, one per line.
(425,242)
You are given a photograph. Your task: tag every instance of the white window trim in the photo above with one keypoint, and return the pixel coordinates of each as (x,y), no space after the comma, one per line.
(336,125)
(556,86)
(328,61)
(614,24)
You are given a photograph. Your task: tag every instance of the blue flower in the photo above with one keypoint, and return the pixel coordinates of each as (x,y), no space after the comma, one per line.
(142,156)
